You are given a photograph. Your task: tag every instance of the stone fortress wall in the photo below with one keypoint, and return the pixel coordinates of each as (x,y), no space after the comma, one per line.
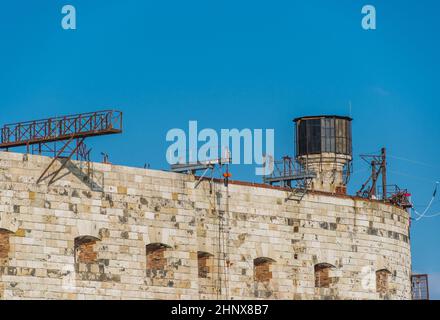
(129,233)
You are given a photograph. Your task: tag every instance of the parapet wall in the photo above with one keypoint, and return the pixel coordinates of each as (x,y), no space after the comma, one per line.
(129,233)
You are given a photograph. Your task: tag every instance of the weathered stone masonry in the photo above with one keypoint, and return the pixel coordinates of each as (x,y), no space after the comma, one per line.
(128,233)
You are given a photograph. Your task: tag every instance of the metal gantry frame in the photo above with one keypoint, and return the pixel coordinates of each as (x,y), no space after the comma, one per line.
(389,193)
(208,165)
(42,135)
(290,174)
(378,167)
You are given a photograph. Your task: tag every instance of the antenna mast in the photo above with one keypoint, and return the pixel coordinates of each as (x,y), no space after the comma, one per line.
(378,167)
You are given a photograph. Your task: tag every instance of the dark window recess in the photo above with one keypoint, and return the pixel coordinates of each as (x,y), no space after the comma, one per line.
(262,269)
(155,256)
(4,243)
(322,275)
(204,261)
(84,250)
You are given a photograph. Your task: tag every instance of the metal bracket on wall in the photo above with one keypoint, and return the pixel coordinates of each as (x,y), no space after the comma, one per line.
(203,176)
(193,167)
(296,195)
(79,144)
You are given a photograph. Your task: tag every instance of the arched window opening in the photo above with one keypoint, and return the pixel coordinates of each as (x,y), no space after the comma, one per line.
(4,244)
(205,264)
(156,260)
(322,275)
(263,269)
(382,281)
(84,249)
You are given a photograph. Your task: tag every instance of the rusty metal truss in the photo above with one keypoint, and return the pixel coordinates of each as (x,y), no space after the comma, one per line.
(61,128)
(70,131)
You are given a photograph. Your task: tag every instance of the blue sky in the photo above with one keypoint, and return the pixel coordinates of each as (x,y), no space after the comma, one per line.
(238,64)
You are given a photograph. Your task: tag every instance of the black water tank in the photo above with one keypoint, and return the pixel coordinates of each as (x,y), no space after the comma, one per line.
(322,134)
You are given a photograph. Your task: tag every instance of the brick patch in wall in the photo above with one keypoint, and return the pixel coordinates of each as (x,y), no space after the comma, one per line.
(156,261)
(262,269)
(382,281)
(4,244)
(204,262)
(84,251)
(322,275)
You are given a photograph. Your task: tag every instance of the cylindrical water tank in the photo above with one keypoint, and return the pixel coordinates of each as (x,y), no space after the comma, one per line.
(323,134)
(323,146)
